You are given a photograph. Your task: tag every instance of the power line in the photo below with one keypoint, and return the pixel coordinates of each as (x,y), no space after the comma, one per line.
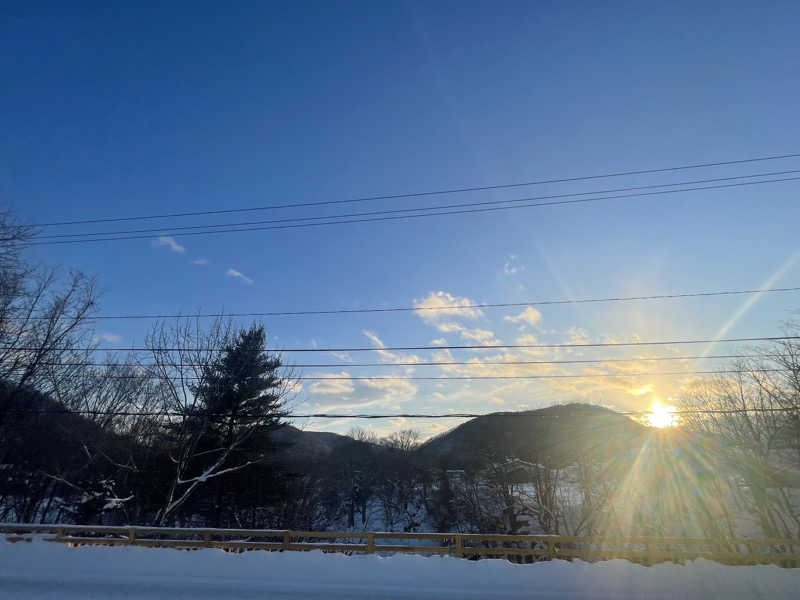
(412,210)
(443,347)
(546,376)
(445,308)
(401,217)
(462,415)
(350,365)
(501,414)
(455,190)
(469,377)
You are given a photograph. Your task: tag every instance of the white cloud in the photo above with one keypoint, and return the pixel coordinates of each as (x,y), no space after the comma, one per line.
(386,355)
(441,304)
(391,386)
(166,240)
(470,334)
(512,265)
(238,275)
(293,386)
(439,309)
(335,405)
(200,261)
(527,339)
(530,315)
(339,383)
(578,336)
(373,337)
(641,391)
(111,338)
(343,356)
(480,336)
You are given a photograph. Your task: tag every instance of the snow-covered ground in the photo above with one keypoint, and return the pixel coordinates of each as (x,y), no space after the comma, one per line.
(48,570)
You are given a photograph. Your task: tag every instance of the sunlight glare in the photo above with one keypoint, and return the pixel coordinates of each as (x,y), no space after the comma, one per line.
(662,416)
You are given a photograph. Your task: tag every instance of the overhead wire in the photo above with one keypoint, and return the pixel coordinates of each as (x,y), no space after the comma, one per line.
(428,347)
(438,363)
(449,307)
(376,378)
(167,232)
(173,229)
(453,190)
(453,415)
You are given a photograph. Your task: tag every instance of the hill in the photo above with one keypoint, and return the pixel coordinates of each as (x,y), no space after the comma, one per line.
(559,433)
(309,443)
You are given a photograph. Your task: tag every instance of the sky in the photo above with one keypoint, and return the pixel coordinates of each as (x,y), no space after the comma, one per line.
(150,108)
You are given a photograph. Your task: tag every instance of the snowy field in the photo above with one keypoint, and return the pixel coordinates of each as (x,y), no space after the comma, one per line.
(47,570)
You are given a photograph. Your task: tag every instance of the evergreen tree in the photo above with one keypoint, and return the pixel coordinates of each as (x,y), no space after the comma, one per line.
(242,400)
(242,391)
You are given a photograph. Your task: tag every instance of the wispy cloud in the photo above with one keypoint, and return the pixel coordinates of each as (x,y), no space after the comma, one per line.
(343,356)
(386,355)
(238,275)
(200,261)
(395,387)
(469,334)
(340,383)
(111,338)
(530,315)
(438,305)
(441,309)
(166,240)
(512,265)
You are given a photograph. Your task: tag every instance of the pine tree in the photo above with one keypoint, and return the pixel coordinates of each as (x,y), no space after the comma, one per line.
(227,416)
(242,395)
(242,391)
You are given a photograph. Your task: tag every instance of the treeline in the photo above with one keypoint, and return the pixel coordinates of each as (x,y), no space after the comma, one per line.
(181,432)
(193,432)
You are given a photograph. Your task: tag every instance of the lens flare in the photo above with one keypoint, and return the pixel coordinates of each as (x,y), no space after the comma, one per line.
(662,416)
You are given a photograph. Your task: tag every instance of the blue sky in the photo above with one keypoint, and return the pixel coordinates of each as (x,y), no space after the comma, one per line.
(122,111)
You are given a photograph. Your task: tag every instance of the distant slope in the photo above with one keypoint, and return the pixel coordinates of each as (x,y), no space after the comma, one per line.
(296,441)
(559,432)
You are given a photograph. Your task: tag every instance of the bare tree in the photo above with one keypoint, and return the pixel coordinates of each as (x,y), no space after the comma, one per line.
(45,343)
(45,335)
(360,434)
(755,424)
(204,417)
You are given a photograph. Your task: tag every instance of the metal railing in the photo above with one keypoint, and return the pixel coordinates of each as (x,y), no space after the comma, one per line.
(644,550)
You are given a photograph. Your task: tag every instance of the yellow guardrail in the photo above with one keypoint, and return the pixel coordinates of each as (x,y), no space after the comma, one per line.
(645,550)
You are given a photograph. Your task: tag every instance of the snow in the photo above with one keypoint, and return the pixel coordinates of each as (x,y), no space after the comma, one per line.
(41,569)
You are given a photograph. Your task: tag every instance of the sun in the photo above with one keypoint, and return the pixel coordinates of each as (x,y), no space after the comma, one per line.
(662,416)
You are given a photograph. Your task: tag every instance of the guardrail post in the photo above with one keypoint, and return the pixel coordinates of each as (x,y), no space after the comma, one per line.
(60,533)
(287,539)
(132,535)
(371,543)
(751,554)
(459,547)
(551,549)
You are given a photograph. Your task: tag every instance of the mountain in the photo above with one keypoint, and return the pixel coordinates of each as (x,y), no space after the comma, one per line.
(309,443)
(558,433)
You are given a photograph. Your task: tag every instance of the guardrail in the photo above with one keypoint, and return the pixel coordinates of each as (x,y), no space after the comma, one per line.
(645,550)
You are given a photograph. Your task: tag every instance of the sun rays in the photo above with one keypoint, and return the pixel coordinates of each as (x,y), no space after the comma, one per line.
(661,416)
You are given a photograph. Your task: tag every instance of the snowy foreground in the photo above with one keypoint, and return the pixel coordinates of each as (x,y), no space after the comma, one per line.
(48,570)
